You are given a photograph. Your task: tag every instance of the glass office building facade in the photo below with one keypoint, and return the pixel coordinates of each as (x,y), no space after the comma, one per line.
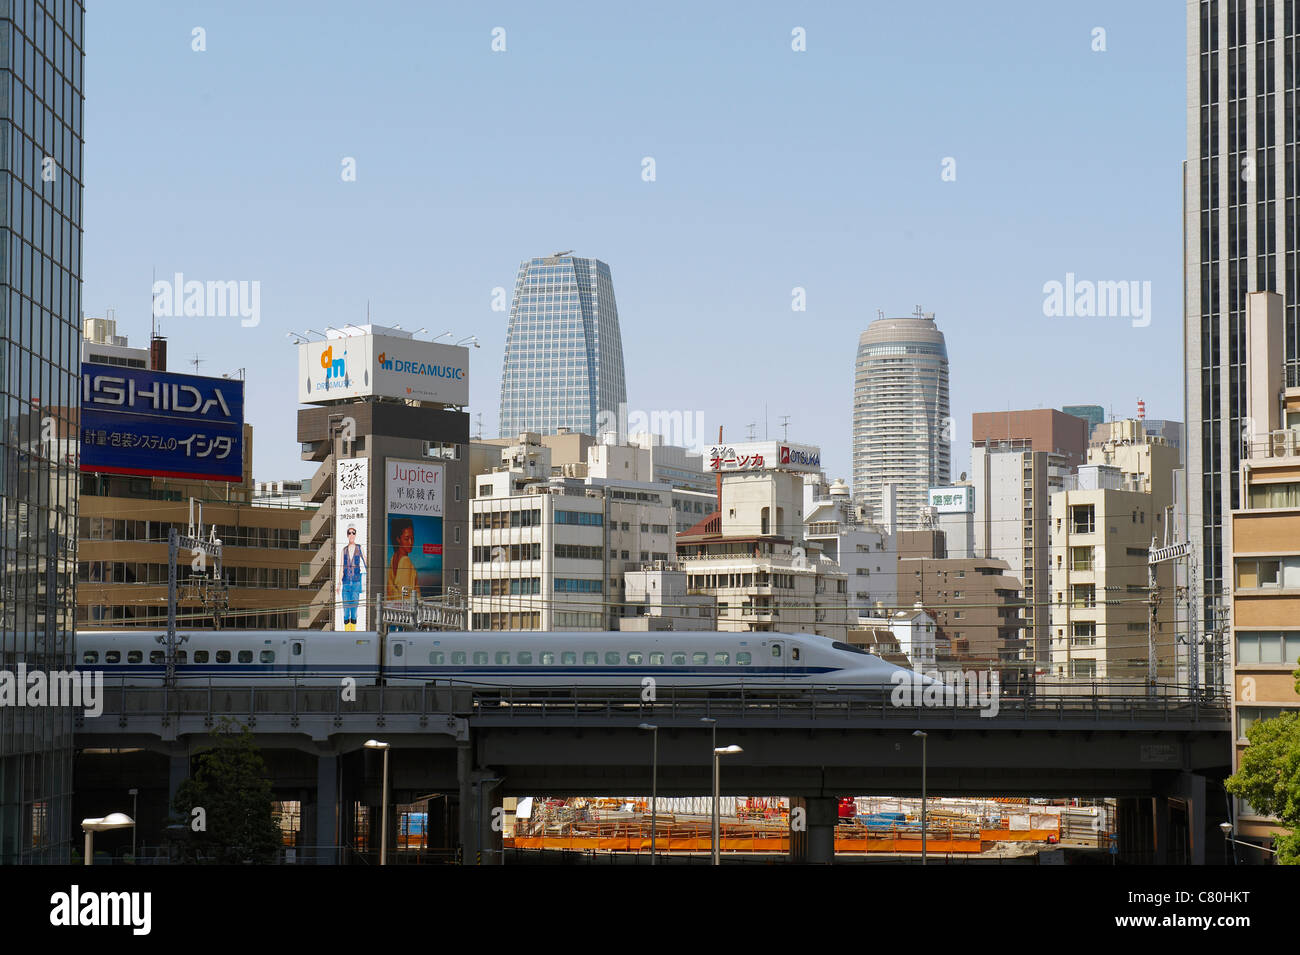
(41,99)
(564,354)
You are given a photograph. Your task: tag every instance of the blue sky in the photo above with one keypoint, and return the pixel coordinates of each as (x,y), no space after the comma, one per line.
(774,169)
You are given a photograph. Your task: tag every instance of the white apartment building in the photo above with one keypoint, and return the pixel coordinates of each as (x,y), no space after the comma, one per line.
(867,554)
(551,555)
(756,562)
(1013,488)
(656,597)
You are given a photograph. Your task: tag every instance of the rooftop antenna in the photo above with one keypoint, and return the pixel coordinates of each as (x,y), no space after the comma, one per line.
(751,426)
(785,427)
(195,362)
(918,313)
(153,305)
(479,421)
(880,313)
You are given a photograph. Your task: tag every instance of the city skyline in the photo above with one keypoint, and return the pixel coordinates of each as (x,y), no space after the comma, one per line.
(740,214)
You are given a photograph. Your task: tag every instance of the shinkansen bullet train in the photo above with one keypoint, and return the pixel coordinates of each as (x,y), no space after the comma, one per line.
(558,660)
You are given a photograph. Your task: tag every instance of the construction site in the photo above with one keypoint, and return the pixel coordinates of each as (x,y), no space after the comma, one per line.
(868,826)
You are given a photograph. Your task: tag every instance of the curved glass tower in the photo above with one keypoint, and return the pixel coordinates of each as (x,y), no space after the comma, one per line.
(902,431)
(564,355)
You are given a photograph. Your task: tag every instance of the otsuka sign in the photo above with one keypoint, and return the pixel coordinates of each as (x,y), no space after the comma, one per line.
(763,456)
(358,366)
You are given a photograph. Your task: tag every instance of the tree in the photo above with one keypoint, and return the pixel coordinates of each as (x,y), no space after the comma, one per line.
(227,802)
(1268,777)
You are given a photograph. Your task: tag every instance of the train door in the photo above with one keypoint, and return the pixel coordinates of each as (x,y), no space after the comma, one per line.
(296,660)
(398,663)
(775,662)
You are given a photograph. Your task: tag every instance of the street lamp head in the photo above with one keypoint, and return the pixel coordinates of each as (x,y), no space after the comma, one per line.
(921,734)
(1225,828)
(707,719)
(647,726)
(114,820)
(374,744)
(728,750)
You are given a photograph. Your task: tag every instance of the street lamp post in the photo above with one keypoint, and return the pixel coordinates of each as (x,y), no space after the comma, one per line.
(134,815)
(713,822)
(114,820)
(654,786)
(923,806)
(383,835)
(717,753)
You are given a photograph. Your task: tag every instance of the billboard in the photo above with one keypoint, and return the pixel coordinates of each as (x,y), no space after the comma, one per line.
(764,456)
(161,424)
(352,571)
(413,537)
(953,500)
(358,366)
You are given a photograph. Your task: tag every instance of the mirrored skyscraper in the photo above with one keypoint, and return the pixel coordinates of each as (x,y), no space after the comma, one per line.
(41,62)
(901,426)
(563,361)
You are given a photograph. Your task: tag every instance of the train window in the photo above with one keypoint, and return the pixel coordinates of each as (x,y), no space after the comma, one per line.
(182,657)
(679,659)
(590,658)
(480,657)
(458,657)
(568,658)
(223,656)
(266,656)
(722,658)
(699,659)
(200,656)
(656,659)
(634,658)
(112,656)
(503,658)
(546,658)
(400,648)
(776,649)
(437,657)
(794,653)
(611,659)
(90,656)
(743,659)
(525,657)
(297,648)
(157,656)
(245,656)
(135,656)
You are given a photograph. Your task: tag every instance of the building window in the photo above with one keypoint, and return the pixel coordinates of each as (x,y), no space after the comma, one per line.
(1252,574)
(1083,519)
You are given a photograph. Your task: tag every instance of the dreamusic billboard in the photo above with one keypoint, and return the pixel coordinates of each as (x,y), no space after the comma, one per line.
(352,571)
(357,366)
(413,538)
(161,424)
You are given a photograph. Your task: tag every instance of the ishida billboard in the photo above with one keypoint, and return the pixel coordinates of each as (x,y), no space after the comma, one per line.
(161,424)
(357,366)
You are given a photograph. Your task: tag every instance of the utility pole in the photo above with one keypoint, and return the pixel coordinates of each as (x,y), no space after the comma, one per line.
(1157,555)
(212,592)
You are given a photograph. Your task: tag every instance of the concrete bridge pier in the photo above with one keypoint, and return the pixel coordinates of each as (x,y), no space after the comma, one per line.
(327,809)
(812,829)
